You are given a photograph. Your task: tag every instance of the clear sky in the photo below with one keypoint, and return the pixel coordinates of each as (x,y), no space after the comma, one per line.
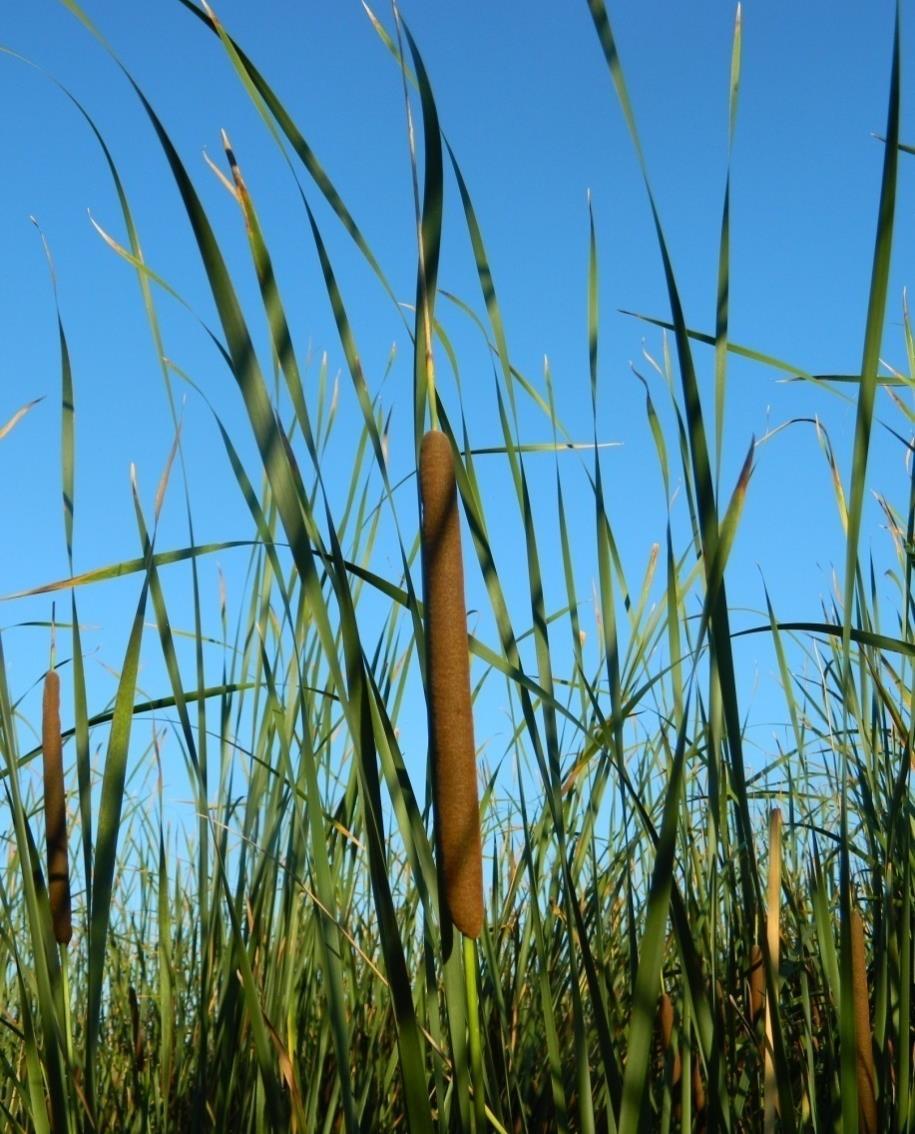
(525,98)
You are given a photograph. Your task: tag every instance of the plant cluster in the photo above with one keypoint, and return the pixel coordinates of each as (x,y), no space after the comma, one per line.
(657,938)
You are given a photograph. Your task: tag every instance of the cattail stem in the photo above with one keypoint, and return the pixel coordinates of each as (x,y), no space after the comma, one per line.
(451,745)
(55,810)
(473,1029)
(867,1101)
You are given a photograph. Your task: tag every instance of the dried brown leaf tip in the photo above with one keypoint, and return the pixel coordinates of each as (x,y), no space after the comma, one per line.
(55,810)
(451,744)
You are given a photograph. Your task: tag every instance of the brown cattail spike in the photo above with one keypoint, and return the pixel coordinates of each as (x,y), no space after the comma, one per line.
(773,938)
(136,1029)
(757,984)
(867,1101)
(698,1093)
(55,810)
(666,1030)
(451,747)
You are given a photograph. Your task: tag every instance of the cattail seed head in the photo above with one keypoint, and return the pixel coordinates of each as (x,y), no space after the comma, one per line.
(139,1044)
(451,746)
(698,1090)
(867,1101)
(665,1020)
(775,883)
(773,910)
(55,810)
(757,984)
(666,1031)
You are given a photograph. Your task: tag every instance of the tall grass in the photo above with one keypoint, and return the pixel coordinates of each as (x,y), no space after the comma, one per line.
(285,964)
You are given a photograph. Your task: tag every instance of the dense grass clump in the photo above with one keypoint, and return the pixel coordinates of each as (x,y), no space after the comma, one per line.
(659,934)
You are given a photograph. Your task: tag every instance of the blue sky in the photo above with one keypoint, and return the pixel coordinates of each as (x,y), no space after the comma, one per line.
(525,99)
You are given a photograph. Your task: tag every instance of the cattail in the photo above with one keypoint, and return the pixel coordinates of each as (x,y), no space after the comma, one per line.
(55,810)
(698,1093)
(666,1031)
(451,747)
(757,984)
(772,938)
(139,1045)
(867,1102)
